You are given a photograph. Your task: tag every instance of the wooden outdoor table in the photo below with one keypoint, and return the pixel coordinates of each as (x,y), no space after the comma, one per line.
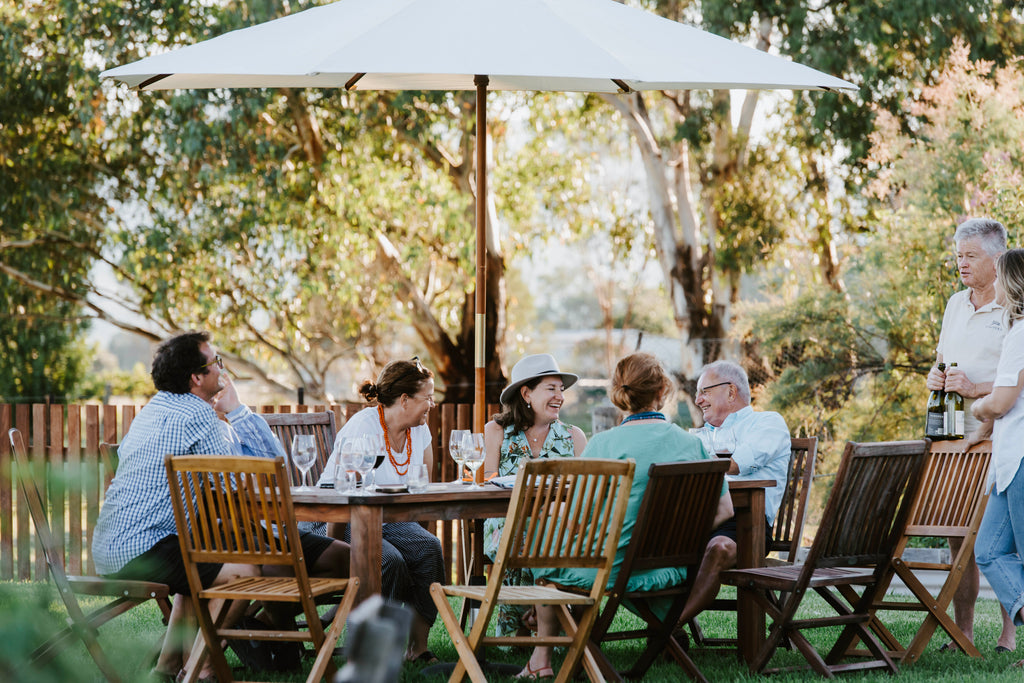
(748,505)
(367,513)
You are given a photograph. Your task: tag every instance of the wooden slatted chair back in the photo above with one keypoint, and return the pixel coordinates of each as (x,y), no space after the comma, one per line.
(787,534)
(566,513)
(674,521)
(952,489)
(320,425)
(228,505)
(870,503)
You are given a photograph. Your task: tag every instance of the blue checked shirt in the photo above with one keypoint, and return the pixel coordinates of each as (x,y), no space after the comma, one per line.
(137,511)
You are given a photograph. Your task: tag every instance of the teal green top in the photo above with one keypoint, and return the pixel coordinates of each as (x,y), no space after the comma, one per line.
(646,444)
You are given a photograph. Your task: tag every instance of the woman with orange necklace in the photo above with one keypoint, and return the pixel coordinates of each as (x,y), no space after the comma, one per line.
(411,556)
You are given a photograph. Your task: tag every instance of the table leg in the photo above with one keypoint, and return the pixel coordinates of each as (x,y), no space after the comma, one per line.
(367,525)
(750,552)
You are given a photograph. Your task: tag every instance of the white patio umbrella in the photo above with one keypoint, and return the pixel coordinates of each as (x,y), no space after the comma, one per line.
(544,45)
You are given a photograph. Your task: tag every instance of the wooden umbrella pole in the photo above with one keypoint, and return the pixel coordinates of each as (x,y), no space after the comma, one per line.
(480,310)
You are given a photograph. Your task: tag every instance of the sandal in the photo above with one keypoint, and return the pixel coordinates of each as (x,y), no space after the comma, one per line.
(529,674)
(949,647)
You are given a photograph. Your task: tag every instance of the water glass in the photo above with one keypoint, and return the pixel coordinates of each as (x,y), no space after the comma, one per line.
(418,478)
(704,434)
(473,454)
(350,454)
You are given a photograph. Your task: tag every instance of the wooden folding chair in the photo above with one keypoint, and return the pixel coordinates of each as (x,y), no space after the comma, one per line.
(238,510)
(565,512)
(787,532)
(950,503)
(320,425)
(125,594)
(861,526)
(672,528)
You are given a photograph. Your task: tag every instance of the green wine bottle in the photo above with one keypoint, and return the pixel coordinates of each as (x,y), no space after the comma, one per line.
(954,413)
(935,420)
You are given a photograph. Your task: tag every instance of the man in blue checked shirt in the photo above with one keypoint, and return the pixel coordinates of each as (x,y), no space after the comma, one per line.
(135,536)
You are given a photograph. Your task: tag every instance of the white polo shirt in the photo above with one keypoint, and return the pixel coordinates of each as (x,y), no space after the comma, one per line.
(972,338)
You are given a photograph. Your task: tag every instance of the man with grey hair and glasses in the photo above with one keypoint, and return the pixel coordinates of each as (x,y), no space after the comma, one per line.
(758,446)
(973,327)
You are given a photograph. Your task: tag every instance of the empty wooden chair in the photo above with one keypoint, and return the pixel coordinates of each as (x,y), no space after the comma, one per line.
(672,529)
(125,594)
(235,509)
(861,526)
(950,503)
(565,512)
(320,425)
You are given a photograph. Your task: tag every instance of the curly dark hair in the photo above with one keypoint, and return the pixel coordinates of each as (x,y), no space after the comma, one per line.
(177,359)
(518,412)
(397,378)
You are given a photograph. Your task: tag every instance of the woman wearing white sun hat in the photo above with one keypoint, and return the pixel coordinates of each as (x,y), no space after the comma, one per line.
(528,427)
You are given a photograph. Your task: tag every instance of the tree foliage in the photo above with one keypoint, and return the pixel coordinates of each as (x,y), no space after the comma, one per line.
(853,365)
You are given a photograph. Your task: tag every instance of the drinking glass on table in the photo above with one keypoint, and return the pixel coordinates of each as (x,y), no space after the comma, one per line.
(418,478)
(473,455)
(348,463)
(303,456)
(374,447)
(704,434)
(455,449)
(364,463)
(725,441)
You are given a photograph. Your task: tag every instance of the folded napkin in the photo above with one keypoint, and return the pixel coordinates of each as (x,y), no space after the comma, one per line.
(506,482)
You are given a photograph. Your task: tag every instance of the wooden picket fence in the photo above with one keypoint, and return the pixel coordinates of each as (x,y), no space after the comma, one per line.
(67,439)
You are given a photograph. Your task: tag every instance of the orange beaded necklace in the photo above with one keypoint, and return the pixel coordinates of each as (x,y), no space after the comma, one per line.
(387,444)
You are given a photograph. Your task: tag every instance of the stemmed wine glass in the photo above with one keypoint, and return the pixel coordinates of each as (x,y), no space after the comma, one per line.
(365,462)
(725,441)
(455,449)
(473,454)
(303,456)
(375,447)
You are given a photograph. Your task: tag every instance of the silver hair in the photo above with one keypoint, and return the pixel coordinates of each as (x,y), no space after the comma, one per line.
(990,233)
(727,371)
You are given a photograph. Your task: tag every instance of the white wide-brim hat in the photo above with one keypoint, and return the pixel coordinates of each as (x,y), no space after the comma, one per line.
(531,367)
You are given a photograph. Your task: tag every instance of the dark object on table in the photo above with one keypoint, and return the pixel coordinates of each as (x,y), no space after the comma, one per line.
(375,646)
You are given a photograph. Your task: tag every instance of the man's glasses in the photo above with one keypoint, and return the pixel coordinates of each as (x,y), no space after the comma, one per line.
(704,391)
(216,360)
(419,365)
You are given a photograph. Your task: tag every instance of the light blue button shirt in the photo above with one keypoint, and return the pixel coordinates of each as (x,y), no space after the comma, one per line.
(762,451)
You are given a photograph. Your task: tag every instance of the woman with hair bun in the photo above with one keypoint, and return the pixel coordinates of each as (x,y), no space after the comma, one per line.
(411,559)
(640,387)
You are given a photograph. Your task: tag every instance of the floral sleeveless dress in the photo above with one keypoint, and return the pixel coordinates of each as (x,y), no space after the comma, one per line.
(515,449)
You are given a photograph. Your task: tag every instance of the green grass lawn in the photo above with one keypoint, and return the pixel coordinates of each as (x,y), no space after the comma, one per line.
(30,611)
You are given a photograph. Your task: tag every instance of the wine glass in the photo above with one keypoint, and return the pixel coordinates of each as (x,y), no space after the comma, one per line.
(455,449)
(473,454)
(418,478)
(724,439)
(365,462)
(375,447)
(303,456)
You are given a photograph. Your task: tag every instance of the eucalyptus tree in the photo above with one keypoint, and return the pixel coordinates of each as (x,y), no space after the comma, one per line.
(723,196)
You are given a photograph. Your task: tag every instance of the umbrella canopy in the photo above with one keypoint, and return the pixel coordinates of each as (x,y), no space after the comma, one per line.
(554,45)
(545,45)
